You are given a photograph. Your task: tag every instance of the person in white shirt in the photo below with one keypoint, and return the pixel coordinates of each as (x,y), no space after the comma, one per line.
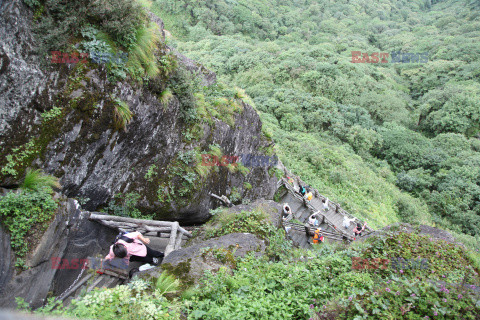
(325,204)
(312,220)
(346,222)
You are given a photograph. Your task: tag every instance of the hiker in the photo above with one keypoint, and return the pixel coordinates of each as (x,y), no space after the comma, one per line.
(286,211)
(302,190)
(318,236)
(308,197)
(357,231)
(346,222)
(312,220)
(131,247)
(325,204)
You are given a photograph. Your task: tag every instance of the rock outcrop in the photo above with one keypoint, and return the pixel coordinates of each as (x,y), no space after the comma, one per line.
(69,236)
(190,263)
(93,158)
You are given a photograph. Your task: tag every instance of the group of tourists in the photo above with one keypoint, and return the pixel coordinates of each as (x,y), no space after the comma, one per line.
(313,221)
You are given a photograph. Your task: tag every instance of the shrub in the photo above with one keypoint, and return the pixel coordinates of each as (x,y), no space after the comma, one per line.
(124,205)
(255,222)
(32,3)
(182,84)
(406,208)
(137,300)
(26,213)
(64,20)
(119,18)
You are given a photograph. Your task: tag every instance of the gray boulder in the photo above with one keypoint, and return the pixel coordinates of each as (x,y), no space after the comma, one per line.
(190,263)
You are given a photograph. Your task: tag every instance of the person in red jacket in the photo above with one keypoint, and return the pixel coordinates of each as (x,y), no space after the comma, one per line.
(317,236)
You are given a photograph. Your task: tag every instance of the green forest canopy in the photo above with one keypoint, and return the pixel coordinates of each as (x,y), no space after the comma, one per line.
(388,140)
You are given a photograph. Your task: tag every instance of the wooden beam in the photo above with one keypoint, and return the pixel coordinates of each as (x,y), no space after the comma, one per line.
(171,244)
(95,216)
(158,229)
(115,224)
(142,222)
(178,242)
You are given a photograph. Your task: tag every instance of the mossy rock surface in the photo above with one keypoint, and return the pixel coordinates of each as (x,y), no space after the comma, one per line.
(188,264)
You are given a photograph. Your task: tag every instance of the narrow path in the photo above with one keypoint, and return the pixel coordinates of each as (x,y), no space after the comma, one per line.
(331,220)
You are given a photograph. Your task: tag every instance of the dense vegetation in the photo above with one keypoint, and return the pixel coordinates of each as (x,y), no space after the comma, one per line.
(356,131)
(26,212)
(388,141)
(288,283)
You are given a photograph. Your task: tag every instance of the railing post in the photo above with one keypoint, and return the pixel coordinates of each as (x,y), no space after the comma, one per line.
(173,236)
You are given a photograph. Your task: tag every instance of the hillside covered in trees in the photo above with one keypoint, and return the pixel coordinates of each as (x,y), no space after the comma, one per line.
(373,103)
(388,140)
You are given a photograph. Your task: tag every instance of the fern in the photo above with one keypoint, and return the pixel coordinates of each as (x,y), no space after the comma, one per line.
(167,284)
(36,180)
(122,114)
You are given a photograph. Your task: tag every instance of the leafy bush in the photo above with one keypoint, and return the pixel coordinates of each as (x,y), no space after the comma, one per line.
(64,20)
(182,86)
(124,205)
(408,208)
(255,222)
(32,3)
(26,213)
(322,285)
(120,19)
(137,300)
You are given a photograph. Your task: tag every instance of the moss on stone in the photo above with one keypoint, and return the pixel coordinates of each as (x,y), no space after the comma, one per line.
(181,271)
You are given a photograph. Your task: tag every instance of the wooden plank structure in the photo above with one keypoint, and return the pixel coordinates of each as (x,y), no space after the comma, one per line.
(153,228)
(331,220)
(108,276)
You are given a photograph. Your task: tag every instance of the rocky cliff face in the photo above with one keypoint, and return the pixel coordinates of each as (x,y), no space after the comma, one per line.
(79,142)
(70,236)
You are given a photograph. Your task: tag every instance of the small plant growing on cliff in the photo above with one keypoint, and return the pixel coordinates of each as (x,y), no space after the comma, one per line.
(51,114)
(32,3)
(122,114)
(165,97)
(151,173)
(20,157)
(235,195)
(141,56)
(36,180)
(125,205)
